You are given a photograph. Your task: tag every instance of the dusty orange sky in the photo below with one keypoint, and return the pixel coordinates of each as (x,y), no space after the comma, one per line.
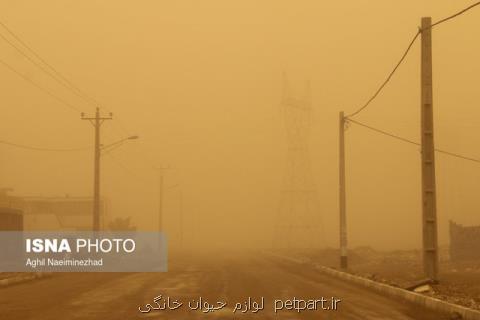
(200,83)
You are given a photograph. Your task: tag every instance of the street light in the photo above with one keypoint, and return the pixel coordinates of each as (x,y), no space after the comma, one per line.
(120,141)
(115,144)
(96,197)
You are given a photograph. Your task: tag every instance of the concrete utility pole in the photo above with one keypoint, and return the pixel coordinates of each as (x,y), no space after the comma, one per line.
(342,204)
(97,122)
(429,206)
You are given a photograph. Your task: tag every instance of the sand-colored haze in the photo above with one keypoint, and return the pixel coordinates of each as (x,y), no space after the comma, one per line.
(200,83)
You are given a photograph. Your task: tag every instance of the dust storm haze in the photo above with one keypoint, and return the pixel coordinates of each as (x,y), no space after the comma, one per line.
(200,82)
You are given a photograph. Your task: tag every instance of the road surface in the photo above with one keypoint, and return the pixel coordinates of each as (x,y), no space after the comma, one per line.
(216,279)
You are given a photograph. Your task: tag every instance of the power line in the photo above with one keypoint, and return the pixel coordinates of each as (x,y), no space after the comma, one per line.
(127,169)
(456,155)
(405,55)
(62,101)
(388,77)
(120,123)
(382,132)
(456,14)
(41,149)
(53,72)
(34,62)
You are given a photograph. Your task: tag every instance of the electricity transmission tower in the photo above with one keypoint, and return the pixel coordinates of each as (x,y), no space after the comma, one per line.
(298,223)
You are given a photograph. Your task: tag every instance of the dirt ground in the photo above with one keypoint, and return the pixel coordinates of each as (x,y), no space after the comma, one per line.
(6,275)
(459,282)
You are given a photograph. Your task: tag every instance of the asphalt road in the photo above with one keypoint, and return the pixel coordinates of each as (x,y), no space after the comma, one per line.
(216,279)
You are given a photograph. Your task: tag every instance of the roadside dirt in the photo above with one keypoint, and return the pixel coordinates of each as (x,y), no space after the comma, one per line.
(459,282)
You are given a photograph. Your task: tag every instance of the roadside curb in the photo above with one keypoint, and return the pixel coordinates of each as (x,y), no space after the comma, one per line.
(413,297)
(21,279)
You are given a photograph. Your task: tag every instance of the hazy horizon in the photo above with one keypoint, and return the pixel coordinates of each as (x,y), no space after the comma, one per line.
(201,84)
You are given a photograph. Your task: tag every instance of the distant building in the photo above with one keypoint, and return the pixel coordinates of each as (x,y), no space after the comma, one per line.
(52,213)
(11,219)
(464,242)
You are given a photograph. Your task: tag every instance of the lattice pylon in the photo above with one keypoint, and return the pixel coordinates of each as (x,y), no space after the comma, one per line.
(298,223)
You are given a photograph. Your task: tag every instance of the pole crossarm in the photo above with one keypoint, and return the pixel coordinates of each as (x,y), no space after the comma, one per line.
(97,123)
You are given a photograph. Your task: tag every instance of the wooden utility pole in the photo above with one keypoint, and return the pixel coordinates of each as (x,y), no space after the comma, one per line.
(429,206)
(97,122)
(342,204)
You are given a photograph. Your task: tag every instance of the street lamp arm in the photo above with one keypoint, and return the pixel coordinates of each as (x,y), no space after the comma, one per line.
(117,143)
